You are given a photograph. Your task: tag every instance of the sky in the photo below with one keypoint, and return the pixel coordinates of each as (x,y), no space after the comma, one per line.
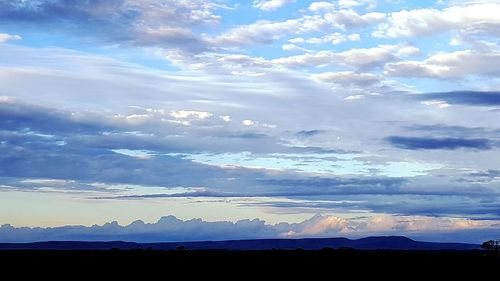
(163,120)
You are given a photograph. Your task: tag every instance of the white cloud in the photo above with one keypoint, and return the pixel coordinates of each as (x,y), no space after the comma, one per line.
(266,32)
(437,103)
(293,47)
(248,122)
(321,6)
(168,24)
(448,65)
(408,51)
(225,118)
(348,18)
(477,18)
(349,3)
(319,226)
(357,58)
(185,114)
(270,5)
(179,122)
(331,225)
(170,12)
(354,97)
(334,38)
(347,78)
(354,3)
(4,37)
(47,181)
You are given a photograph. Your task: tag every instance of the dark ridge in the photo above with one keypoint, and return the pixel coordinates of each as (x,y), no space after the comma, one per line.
(368,243)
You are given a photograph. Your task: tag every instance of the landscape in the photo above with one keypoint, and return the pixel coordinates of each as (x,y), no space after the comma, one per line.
(338,131)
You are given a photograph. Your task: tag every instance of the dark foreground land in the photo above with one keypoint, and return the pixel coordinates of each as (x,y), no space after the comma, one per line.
(310,258)
(327,264)
(262,259)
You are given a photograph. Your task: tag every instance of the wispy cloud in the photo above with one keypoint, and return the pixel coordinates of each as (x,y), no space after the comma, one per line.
(4,37)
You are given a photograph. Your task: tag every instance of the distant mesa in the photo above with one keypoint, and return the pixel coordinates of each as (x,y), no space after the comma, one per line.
(368,243)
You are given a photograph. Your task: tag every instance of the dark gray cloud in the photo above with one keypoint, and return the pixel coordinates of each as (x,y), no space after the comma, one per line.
(247,136)
(452,131)
(464,97)
(326,186)
(309,133)
(486,174)
(422,143)
(38,142)
(24,117)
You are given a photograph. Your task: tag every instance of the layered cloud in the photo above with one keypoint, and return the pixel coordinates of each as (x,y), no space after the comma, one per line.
(91,154)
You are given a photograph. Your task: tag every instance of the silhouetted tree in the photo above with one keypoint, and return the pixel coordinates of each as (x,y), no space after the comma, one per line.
(492,246)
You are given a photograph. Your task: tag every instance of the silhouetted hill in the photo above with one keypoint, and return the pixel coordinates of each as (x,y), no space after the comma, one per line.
(368,243)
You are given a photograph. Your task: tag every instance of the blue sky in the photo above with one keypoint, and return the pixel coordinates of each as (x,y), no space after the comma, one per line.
(335,118)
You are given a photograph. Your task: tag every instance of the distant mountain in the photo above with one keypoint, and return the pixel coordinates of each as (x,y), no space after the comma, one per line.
(368,243)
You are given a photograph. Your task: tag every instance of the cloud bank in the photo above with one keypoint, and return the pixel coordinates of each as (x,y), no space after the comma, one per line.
(171,229)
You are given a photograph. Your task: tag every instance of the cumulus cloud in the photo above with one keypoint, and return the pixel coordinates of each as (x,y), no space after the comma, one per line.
(348,18)
(354,3)
(362,58)
(266,32)
(321,6)
(172,229)
(448,65)
(4,37)
(475,19)
(270,5)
